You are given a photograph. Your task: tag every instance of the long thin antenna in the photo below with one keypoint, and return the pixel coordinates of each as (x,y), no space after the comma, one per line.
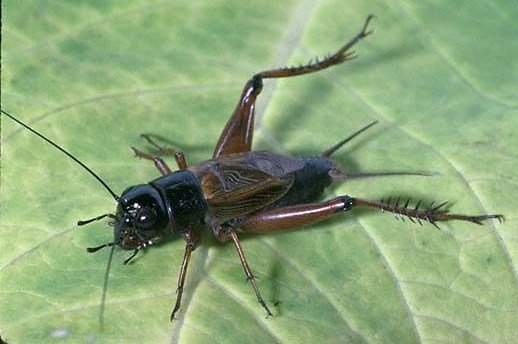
(105,287)
(66,153)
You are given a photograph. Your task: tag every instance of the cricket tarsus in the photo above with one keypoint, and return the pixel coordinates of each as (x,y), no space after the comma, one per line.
(97,248)
(341,55)
(131,257)
(177,304)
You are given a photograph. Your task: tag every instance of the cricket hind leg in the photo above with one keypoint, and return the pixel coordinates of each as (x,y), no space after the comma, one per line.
(238,133)
(292,217)
(296,216)
(431,213)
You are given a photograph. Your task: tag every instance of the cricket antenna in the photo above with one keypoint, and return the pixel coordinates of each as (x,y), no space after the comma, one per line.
(105,286)
(66,153)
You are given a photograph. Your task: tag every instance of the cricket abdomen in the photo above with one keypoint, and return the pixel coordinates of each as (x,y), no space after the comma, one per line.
(309,182)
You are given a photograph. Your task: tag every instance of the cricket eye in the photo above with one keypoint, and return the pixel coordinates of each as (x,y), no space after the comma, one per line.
(146,218)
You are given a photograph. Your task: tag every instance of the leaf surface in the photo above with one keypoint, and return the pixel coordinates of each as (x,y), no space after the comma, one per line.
(93,75)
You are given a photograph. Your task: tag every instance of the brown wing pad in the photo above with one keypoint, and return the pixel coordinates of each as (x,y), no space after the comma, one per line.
(235,192)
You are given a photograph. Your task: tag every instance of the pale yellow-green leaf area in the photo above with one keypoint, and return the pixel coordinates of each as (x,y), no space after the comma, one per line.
(441,78)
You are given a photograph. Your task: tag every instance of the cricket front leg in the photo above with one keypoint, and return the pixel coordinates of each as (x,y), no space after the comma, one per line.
(238,133)
(159,162)
(297,216)
(193,240)
(178,155)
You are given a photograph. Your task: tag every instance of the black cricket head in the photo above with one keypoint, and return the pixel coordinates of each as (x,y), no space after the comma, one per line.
(146,213)
(141,217)
(140,220)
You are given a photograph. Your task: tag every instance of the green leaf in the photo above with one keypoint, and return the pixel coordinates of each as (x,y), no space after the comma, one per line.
(92,75)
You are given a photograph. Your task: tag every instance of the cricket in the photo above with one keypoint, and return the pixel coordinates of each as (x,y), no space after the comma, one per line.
(241,190)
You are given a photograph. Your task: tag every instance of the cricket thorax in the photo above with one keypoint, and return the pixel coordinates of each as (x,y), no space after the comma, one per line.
(183,199)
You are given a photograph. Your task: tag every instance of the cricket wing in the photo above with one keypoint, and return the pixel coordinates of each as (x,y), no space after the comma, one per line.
(233,191)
